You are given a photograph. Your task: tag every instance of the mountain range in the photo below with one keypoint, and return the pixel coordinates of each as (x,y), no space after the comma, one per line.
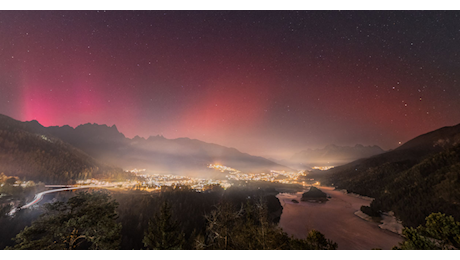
(157,154)
(102,146)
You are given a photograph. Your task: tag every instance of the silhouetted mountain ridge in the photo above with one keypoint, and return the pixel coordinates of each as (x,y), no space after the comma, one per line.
(443,137)
(158,154)
(419,177)
(28,150)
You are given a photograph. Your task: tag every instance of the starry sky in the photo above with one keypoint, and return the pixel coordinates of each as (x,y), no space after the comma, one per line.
(269,83)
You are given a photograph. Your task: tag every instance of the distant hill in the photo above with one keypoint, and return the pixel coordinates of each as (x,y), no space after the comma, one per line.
(419,177)
(157,154)
(333,155)
(28,150)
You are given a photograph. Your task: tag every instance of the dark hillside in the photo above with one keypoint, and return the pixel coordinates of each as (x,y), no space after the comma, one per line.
(430,186)
(418,178)
(435,140)
(26,150)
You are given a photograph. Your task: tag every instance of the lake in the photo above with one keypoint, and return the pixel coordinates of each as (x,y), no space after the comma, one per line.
(336,220)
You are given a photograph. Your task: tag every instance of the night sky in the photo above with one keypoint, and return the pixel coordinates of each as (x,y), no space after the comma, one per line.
(268,83)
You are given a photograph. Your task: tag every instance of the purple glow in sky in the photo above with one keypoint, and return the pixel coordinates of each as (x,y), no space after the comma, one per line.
(265,82)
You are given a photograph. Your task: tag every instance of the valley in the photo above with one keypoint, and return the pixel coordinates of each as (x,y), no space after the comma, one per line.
(216,127)
(430,160)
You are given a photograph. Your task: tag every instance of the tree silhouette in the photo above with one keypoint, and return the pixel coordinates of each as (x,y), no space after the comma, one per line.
(439,232)
(248,228)
(163,232)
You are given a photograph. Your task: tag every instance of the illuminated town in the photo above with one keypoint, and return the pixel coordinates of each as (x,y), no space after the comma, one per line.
(158,182)
(272,176)
(322,168)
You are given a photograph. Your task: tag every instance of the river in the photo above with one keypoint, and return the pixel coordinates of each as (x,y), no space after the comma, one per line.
(336,220)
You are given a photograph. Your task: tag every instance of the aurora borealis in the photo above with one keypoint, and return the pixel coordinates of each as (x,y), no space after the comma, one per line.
(265,82)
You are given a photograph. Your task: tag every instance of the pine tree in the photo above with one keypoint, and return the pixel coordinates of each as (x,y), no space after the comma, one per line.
(439,232)
(319,241)
(163,232)
(222,227)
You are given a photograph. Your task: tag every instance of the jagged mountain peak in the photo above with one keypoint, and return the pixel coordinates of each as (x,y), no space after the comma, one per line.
(172,156)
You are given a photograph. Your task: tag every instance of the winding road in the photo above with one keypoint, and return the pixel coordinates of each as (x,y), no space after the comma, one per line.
(39,196)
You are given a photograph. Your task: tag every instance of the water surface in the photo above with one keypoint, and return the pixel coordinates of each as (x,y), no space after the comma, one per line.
(336,220)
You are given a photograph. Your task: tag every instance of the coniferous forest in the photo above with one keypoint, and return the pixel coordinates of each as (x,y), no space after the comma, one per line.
(237,218)
(183,219)
(413,189)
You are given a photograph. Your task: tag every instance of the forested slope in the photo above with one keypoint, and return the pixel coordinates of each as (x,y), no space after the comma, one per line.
(420,177)
(430,186)
(27,151)
(412,190)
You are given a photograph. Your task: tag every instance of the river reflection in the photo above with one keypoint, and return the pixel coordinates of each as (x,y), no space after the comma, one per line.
(335,219)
